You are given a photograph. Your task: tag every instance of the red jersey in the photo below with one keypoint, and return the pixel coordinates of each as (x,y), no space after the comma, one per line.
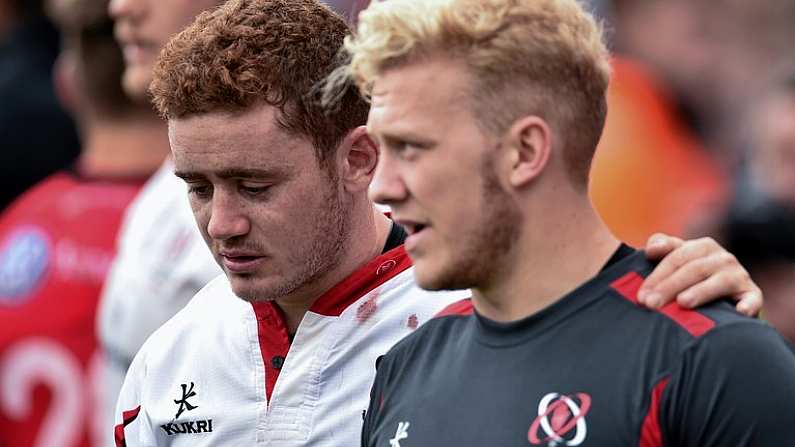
(56,243)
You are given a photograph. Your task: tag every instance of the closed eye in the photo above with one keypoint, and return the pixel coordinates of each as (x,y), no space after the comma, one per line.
(199,190)
(254,190)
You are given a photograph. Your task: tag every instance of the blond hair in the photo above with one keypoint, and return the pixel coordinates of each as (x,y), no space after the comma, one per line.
(525,57)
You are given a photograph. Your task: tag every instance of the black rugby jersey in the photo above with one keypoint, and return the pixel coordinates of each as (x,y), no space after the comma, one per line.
(593,369)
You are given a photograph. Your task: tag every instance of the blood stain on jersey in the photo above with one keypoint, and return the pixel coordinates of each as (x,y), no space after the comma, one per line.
(367,308)
(24,258)
(413,322)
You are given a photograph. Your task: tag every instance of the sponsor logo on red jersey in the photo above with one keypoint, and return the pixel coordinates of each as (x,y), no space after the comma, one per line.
(24,258)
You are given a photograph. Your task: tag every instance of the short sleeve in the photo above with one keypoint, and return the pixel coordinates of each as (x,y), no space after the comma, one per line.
(131,424)
(734,386)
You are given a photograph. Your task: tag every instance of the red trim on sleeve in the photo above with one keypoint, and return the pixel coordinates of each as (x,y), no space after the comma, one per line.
(126,417)
(359,283)
(695,323)
(628,286)
(274,340)
(650,433)
(463,307)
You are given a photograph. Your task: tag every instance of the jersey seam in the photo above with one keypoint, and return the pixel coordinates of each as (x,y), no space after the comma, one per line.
(682,330)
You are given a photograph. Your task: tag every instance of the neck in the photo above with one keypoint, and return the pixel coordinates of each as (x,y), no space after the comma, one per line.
(548,261)
(133,148)
(369,232)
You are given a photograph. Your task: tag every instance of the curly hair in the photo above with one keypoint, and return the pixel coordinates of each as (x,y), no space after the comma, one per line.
(249,52)
(539,57)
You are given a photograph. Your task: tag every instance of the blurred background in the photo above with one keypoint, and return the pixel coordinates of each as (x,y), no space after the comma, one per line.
(700,134)
(700,141)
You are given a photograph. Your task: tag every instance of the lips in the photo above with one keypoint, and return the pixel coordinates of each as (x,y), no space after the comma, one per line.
(135,48)
(236,262)
(415,230)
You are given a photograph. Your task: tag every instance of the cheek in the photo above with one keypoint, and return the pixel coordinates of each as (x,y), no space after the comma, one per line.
(202,211)
(460,206)
(289,222)
(446,182)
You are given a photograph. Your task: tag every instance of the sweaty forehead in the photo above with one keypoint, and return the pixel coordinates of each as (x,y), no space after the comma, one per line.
(248,139)
(425,76)
(230,127)
(427,93)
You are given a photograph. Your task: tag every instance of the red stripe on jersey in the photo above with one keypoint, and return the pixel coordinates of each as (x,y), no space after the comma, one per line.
(650,433)
(694,322)
(628,286)
(126,417)
(272,330)
(274,340)
(463,307)
(359,283)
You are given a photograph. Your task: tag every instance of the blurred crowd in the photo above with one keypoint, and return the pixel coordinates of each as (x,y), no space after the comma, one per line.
(701,132)
(700,141)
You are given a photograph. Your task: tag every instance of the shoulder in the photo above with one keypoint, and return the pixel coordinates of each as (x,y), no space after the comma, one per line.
(203,318)
(216,297)
(732,386)
(462,307)
(402,296)
(737,339)
(445,328)
(737,358)
(164,182)
(212,303)
(159,239)
(624,282)
(163,195)
(41,196)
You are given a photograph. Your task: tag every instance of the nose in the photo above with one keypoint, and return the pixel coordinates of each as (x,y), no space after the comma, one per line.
(228,217)
(387,187)
(124,8)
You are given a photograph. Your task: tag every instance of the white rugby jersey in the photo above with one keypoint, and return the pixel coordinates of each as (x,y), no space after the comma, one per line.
(162,262)
(208,377)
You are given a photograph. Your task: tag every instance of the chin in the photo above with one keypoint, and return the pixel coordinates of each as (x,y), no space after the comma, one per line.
(253,288)
(243,288)
(429,279)
(136,82)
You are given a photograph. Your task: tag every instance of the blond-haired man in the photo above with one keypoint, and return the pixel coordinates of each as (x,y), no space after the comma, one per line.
(557,351)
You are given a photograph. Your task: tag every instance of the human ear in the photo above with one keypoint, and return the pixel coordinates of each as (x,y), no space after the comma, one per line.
(530,141)
(359,158)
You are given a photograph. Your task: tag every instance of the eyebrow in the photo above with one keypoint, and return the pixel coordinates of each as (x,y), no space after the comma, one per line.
(251,173)
(391,138)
